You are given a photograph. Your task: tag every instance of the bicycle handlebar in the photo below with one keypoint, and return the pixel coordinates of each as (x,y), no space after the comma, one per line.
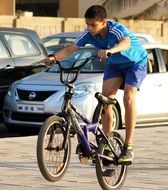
(73,70)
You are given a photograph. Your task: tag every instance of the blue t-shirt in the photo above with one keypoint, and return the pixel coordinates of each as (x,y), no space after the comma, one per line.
(136,54)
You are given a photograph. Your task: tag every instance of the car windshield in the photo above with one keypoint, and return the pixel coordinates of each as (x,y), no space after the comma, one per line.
(50,41)
(93,66)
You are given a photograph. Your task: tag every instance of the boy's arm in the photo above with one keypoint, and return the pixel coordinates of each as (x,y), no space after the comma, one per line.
(63,53)
(123,44)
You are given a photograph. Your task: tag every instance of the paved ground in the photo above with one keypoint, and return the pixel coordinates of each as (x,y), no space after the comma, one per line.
(19,171)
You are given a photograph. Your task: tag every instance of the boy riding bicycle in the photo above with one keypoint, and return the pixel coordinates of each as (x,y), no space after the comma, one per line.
(126,65)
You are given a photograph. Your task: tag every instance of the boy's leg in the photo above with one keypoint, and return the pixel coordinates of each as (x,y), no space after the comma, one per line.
(133,80)
(110,87)
(127,154)
(130,112)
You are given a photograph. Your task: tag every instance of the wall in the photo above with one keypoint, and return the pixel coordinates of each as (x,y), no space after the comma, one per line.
(42,25)
(49,25)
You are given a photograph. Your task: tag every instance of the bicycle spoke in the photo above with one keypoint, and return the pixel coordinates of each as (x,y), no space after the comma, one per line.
(111,176)
(53,158)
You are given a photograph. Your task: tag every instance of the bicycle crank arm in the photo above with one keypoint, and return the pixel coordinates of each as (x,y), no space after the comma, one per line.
(112,160)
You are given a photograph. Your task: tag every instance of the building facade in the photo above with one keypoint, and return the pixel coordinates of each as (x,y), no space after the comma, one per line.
(7,7)
(53,8)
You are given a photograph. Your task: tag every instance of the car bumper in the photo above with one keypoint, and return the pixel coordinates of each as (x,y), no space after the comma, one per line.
(13,117)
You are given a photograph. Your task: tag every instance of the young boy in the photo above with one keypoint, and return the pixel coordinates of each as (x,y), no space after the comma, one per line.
(126,65)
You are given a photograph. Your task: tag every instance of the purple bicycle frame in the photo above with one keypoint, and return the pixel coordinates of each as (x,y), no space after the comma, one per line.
(83,131)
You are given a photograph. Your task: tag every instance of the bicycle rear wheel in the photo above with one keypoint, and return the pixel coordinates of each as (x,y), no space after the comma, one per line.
(53,159)
(118,173)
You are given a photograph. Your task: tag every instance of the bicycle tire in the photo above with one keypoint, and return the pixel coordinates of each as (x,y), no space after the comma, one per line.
(52,159)
(116,180)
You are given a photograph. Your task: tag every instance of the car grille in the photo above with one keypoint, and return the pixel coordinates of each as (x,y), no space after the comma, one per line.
(30,117)
(34,95)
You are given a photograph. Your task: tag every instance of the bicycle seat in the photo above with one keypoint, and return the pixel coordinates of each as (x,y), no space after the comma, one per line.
(100,97)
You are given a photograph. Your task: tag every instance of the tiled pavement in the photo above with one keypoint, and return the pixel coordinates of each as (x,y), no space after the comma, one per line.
(19,170)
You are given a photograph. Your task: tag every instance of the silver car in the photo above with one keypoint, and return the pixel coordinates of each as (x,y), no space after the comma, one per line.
(69,37)
(32,99)
(57,41)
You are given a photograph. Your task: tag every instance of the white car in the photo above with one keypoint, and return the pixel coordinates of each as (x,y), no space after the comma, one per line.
(57,41)
(32,99)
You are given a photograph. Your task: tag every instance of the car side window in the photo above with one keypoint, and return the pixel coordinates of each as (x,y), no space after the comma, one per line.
(50,41)
(3,52)
(165,57)
(21,45)
(152,66)
(57,41)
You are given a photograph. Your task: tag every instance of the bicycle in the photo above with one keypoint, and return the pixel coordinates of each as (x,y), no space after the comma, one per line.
(54,142)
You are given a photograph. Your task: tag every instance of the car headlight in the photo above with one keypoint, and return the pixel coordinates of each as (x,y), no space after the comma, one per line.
(84,88)
(11,89)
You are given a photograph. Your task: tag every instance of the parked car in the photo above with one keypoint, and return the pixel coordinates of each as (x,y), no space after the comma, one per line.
(32,99)
(145,38)
(20,51)
(57,41)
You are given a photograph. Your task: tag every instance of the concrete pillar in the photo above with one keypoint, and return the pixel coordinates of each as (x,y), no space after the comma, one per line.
(76,8)
(7,7)
(69,8)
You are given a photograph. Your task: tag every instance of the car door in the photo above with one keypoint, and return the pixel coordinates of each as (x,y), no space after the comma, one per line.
(7,66)
(25,53)
(152,99)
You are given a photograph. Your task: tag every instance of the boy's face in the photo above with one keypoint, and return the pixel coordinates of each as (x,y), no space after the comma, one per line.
(94,26)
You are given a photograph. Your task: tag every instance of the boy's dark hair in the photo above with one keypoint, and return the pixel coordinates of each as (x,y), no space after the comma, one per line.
(97,12)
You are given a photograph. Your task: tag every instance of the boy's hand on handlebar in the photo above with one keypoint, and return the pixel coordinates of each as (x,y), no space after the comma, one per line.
(103,54)
(51,60)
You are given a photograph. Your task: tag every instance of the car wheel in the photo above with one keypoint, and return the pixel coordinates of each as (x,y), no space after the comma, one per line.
(116,119)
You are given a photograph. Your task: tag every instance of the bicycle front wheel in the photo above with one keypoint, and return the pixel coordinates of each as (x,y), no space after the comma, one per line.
(117,173)
(52,155)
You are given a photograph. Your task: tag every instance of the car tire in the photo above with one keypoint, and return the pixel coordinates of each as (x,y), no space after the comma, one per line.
(116,119)
(116,116)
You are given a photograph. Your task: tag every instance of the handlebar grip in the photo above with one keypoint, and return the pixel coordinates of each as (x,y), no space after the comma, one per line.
(109,54)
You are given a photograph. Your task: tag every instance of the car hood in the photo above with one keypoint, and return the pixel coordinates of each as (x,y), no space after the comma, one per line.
(45,78)
(42,78)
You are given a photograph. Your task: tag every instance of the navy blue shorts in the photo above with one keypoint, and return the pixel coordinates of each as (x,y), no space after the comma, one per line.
(132,75)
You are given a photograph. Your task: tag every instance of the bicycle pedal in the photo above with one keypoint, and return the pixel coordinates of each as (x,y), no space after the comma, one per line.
(125,163)
(84,160)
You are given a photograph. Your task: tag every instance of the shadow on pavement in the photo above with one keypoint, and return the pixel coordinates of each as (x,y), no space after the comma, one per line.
(4,132)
